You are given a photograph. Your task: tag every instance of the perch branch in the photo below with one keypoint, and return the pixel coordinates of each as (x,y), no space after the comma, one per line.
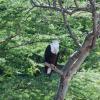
(53,67)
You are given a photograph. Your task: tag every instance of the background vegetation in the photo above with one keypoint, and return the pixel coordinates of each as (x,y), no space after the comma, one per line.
(24,35)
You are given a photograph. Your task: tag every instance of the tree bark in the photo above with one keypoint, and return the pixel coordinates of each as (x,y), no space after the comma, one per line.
(63,87)
(72,66)
(64,81)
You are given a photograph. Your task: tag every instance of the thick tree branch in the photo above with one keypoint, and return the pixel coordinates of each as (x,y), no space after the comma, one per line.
(76,56)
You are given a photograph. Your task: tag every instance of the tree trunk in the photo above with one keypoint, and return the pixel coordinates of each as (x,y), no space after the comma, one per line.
(72,66)
(63,85)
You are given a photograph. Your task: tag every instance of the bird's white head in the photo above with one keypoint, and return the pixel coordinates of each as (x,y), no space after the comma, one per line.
(55,46)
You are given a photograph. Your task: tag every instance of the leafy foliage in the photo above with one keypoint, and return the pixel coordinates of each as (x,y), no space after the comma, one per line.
(24,35)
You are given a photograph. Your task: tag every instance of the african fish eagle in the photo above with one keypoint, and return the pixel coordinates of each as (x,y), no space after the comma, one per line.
(51,56)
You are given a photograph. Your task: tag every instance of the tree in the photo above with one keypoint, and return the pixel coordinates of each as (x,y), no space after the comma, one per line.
(77,58)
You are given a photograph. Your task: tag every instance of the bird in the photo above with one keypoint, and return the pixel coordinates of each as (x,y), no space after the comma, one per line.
(51,56)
